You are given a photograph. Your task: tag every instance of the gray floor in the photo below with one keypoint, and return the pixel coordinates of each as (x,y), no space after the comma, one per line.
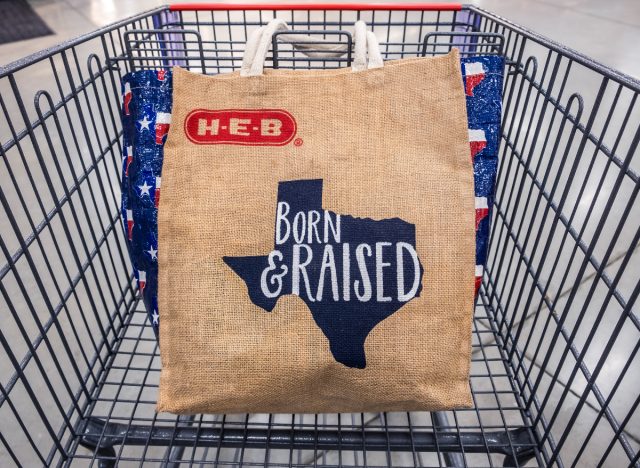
(607,33)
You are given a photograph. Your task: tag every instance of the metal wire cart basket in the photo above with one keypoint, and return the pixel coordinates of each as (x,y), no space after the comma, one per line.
(555,368)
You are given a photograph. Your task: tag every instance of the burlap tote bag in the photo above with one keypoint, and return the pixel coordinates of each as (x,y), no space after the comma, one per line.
(316,237)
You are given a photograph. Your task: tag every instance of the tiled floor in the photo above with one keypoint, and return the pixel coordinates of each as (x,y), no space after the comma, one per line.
(606,32)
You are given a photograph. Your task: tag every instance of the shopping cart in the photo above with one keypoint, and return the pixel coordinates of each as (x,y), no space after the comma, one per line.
(555,368)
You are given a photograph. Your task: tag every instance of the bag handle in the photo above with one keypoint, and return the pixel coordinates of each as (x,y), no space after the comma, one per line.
(260,41)
(365,42)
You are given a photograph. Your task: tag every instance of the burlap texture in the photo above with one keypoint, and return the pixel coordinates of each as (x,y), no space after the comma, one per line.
(388,142)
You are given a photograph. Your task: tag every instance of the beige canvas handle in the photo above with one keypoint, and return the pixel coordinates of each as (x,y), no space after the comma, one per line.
(366,52)
(366,48)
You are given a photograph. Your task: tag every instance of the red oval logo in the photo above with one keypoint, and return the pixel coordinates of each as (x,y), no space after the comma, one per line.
(253,127)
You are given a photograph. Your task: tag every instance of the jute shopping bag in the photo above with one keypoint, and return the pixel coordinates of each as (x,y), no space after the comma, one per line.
(316,237)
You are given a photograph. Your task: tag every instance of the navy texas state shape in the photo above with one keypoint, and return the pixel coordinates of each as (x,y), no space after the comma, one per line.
(352,273)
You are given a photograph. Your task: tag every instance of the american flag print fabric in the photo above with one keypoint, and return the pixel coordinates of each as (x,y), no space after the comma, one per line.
(482,76)
(146,118)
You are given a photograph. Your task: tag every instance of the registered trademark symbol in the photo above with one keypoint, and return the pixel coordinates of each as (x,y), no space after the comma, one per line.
(298,142)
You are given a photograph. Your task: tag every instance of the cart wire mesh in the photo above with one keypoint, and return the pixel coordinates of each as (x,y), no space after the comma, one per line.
(556,334)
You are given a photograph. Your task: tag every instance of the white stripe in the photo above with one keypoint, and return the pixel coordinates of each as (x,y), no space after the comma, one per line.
(481,202)
(477,135)
(142,275)
(158,182)
(163,118)
(479,270)
(127,88)
(473,68)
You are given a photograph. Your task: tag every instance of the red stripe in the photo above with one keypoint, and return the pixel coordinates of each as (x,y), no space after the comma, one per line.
(317,6)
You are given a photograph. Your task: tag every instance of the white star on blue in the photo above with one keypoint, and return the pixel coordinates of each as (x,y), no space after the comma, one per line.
(153,252)
(144,123)
(144,189)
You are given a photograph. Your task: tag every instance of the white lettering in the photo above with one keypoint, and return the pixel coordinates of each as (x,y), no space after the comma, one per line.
(281,217)
(380,264)
(270,127)
(212,128)
(362,266)
(276,279)
(334,229)
(346,272)
(239,126)
(402,295)
(303,230)
(314,219)
(328,262)
(299,269)
(299,228)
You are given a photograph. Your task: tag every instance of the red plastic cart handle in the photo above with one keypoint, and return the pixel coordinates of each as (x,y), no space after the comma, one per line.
(317,6)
